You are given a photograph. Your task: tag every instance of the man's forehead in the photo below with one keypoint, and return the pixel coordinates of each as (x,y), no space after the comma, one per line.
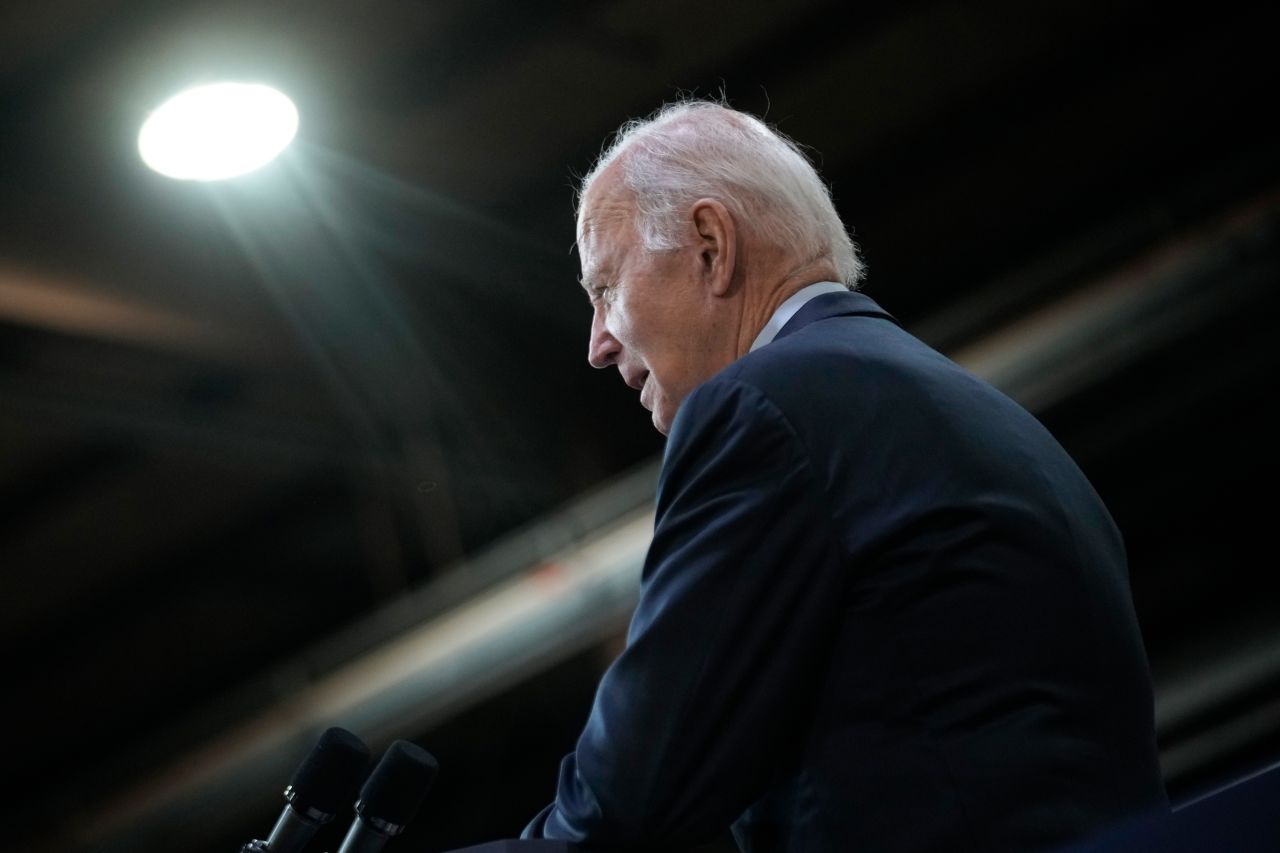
(600,224)
(602,213)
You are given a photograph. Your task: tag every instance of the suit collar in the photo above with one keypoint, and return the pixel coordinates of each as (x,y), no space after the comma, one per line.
(844,304)
(789,307)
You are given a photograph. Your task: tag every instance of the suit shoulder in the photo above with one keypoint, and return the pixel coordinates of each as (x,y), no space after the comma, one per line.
(841,351)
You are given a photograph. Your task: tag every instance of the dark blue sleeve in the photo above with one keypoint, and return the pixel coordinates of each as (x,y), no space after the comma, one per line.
(739,598)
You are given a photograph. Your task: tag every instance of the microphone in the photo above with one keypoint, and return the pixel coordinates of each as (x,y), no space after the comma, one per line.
(321,786)
(391,797)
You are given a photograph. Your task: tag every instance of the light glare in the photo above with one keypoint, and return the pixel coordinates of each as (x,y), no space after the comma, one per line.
(217,131)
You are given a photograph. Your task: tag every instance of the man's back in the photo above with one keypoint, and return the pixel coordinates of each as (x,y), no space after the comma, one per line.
(987,686)
(882,610)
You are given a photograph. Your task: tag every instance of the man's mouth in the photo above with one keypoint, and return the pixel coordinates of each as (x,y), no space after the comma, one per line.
(637,381)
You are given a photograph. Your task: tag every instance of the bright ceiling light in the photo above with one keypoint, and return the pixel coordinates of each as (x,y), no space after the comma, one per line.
(217,131)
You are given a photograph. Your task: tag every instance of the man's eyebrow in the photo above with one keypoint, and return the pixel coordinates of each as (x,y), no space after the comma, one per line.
(594,288)
(590,278)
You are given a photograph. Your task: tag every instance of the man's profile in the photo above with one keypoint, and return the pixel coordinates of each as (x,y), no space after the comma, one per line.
(882,609)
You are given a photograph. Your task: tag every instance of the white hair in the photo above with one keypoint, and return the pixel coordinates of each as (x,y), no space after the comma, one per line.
(695,149)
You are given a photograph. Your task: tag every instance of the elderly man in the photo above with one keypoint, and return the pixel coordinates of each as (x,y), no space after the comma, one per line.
(882,610)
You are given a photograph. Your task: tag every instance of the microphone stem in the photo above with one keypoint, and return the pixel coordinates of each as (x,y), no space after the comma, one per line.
(291,827)
(363,838)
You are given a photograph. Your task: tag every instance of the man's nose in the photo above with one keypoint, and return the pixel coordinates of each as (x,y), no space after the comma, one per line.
(603,349)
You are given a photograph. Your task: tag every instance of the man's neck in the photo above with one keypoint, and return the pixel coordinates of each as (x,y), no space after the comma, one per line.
(764,302)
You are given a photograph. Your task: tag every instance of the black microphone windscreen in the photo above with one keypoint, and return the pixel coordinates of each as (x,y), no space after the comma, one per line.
(327,780)
(398,785)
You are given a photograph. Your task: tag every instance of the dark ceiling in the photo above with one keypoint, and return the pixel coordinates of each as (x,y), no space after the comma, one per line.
(253,431)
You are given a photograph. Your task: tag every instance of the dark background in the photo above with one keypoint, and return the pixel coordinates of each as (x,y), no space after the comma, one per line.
(251,433)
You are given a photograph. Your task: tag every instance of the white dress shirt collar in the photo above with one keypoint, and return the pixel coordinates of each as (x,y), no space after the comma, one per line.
(788,309)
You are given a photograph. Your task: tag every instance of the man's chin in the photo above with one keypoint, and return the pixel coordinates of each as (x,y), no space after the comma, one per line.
(660,423)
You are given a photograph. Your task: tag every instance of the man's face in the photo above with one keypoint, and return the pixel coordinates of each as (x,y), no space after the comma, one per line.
(652,317)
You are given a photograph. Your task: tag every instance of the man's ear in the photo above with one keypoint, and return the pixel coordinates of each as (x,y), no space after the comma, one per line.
(717,238)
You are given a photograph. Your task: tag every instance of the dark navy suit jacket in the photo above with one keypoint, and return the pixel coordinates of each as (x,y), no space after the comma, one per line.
(883,610)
